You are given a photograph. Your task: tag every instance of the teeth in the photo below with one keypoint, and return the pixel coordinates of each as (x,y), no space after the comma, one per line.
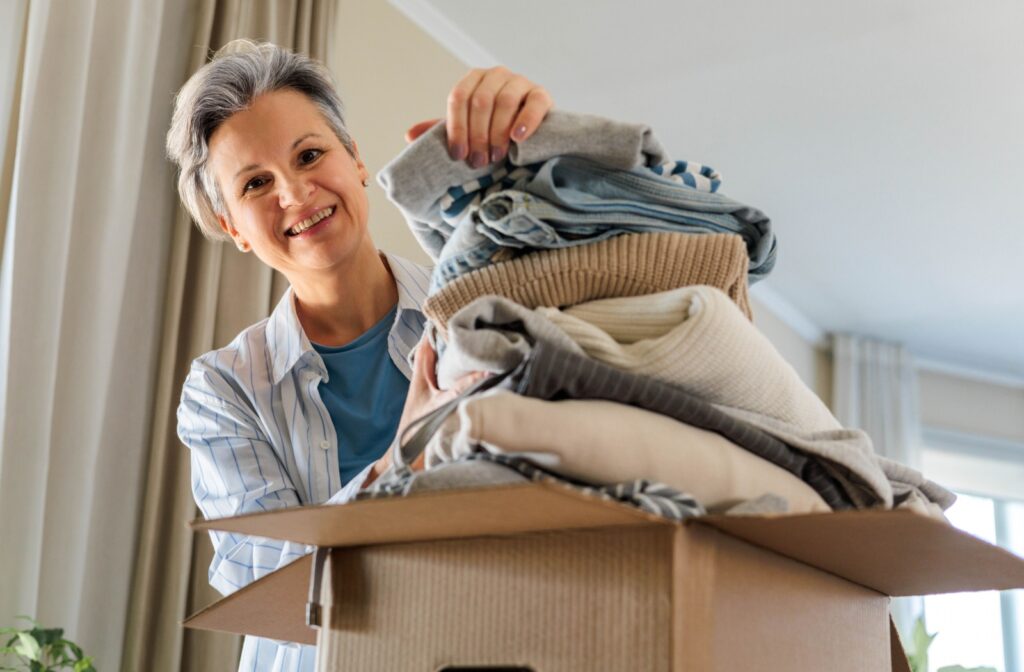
(307,223)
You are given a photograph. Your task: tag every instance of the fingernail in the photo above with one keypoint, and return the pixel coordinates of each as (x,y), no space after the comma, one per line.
(520,132)
(457,152)
(477,159)
(497,154)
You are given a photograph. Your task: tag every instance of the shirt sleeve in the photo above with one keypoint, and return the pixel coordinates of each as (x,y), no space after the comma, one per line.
(235,470)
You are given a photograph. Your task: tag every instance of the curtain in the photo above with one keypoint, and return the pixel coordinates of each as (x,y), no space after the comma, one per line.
(82,270)
(213,292)
(875,388)
(13,15)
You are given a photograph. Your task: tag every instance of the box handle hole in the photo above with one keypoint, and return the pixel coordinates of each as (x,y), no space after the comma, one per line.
(484,668)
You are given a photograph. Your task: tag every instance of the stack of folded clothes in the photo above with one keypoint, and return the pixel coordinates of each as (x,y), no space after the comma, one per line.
(604,287)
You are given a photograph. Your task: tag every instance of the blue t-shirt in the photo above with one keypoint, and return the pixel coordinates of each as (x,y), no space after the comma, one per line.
(365,394)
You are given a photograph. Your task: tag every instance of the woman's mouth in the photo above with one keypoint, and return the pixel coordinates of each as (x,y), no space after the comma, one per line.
(308,226)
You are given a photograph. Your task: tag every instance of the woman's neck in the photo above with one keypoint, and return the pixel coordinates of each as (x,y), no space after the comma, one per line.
(337,307)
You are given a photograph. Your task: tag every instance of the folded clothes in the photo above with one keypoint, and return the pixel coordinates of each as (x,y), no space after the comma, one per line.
(486,470)
(578,179)
(696,338)
(603,442)
(539,360)
(629,265)
(496,335)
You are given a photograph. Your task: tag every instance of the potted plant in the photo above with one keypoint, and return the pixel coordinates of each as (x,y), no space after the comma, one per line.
(39,649)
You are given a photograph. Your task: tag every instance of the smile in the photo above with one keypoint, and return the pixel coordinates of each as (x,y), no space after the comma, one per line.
(309,223)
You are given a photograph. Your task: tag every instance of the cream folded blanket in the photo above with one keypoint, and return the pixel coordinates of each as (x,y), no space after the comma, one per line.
(603,442)
(697,339)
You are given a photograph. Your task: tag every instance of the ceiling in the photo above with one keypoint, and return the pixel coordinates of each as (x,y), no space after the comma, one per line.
(884,139)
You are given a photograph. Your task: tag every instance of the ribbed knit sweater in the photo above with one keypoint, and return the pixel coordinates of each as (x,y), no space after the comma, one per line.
(625,266)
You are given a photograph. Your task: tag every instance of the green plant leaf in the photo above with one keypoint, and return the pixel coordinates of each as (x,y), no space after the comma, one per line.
(917,656)
(84,665)
(27,646)
(961,668)
(47,636)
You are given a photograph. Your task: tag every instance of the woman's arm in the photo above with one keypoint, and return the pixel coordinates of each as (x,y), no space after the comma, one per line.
(234,470)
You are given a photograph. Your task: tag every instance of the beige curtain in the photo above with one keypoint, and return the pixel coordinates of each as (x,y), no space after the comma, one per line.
(14,34)
(213,292)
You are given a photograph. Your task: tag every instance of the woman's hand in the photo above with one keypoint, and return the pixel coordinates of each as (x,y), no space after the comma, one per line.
(424,396)
(487,109)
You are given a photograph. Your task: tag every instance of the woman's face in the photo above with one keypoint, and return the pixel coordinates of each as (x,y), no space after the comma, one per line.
(293,192)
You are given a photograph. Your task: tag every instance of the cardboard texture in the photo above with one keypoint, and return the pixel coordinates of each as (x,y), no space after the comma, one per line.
(611,599)
(900,662)
(898,553)
(544,578)
(274,606)
(450,514)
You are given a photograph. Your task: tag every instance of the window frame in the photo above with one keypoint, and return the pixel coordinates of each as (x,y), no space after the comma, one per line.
(991,468)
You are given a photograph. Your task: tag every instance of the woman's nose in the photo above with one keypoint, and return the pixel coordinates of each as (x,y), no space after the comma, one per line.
(294,191)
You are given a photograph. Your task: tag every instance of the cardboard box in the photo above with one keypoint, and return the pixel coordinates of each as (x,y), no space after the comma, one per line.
(541,577)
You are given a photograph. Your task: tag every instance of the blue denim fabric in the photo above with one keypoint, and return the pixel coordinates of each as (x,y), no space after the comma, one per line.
(436,194)
(572,201)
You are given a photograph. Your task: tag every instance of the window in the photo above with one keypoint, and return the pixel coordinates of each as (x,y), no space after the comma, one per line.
(978,629)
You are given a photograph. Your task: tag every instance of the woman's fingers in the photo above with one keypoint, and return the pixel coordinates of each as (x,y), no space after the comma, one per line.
(506,106)
(536,106)
(481,109)
(458,114)
(487,109)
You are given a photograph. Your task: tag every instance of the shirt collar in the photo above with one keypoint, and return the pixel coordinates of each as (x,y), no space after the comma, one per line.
(288,343)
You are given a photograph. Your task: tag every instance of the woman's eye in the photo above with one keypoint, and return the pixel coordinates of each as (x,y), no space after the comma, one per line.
(254,183)
(309,155)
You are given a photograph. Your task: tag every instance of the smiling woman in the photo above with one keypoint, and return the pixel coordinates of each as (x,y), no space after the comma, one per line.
(294,194)
(303,407)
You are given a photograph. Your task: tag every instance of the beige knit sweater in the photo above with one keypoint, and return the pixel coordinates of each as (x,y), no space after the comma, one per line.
(627,265)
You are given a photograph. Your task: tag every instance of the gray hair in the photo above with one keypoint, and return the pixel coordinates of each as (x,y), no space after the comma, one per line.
(238,73)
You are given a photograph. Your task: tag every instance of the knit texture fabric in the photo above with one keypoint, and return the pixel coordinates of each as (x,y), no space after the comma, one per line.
(695,337)
(625,266)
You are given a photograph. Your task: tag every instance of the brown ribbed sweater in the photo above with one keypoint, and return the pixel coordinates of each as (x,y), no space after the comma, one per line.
(627,265)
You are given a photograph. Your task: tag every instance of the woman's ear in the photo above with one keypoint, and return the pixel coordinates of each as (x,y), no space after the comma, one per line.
(364,174)
(226,227)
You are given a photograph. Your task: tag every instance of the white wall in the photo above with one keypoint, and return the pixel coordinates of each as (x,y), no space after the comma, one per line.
(391,75)
(972,406)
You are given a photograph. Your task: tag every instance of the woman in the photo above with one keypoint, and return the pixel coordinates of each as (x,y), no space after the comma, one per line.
(301,407)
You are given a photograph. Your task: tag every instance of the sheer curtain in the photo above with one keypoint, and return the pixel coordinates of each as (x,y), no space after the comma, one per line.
(83,269)
(875,388)
(106,293)
(213,292)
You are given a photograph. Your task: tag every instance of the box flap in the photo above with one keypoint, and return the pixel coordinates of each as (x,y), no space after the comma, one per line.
(273,606)
(894,552)
(900,663)
(451,514)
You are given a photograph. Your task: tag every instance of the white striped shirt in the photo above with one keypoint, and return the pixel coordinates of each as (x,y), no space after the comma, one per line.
(261,438)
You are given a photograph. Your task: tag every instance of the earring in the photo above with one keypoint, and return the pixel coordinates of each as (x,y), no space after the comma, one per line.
(366,183)
(242,246)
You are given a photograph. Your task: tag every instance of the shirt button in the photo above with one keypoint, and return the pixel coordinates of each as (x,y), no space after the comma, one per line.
(325,444)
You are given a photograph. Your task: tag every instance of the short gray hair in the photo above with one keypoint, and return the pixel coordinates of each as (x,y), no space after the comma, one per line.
(238,73)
